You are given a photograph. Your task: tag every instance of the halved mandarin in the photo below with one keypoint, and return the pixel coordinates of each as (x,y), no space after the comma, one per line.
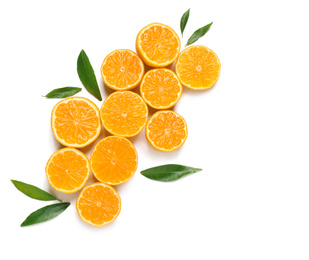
(124,113)
(166,131)
(98,204)
(161,88)
(113,160)
(198,67)
(67,170)
(158,45)
(122,69)
(75,122)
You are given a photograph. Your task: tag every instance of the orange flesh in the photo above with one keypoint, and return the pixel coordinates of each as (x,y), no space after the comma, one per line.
(98,204)
(161,88)
(67,170)
(198,67)
(159,44)
(114,160)
(75,123)
(166,131)
(122,69)
(124,113)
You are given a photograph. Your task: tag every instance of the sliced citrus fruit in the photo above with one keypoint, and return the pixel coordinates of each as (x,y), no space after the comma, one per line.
(114,160)
(67,170)
(198,67)
(124,113)
(158,45)
(75,122)
(161,88)
(98,204)
(166,130)
(122,70)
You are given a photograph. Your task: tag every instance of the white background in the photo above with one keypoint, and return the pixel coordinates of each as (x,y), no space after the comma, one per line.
(249,133)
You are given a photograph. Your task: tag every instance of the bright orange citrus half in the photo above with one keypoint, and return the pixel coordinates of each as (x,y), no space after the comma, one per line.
(198,67)
(158,45)
(67,170)
(166,130)
(161,88)
(98,204)
(122,70)
(124,113)
(114,160)
(75,122)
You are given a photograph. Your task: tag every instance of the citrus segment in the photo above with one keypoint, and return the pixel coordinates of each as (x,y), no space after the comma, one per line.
(124,113)
(161,88)
(67,170)
(198,67)
(113,160)
(98,204)
(166,131)
(75,122)
(158,45)
(122,70)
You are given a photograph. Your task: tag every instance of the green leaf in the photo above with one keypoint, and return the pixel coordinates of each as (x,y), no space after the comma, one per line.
(168,172)
(86,75)
(63,92)
(33,191)
(198,34)
(184,20)
(45,213)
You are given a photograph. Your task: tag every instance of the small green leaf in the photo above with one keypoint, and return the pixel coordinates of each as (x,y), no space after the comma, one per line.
(45,213)
(63,92)
(198,34)
(33,191)
(184,20)
(86,75)
(168,172)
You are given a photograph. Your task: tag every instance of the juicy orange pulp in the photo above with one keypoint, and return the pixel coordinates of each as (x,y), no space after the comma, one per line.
(75,122)
(124,113)
(161,88)
(98,204)
(122,70)
(158,45)
(114,160)
(166,131)
(198,67)
(67,170)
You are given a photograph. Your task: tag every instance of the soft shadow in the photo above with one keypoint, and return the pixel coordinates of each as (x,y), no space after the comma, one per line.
(124,186)
(55,144)
(159,157)
(89,148)
(194,92)
(147,67)
(172,66)
(106,91)
(65,197)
